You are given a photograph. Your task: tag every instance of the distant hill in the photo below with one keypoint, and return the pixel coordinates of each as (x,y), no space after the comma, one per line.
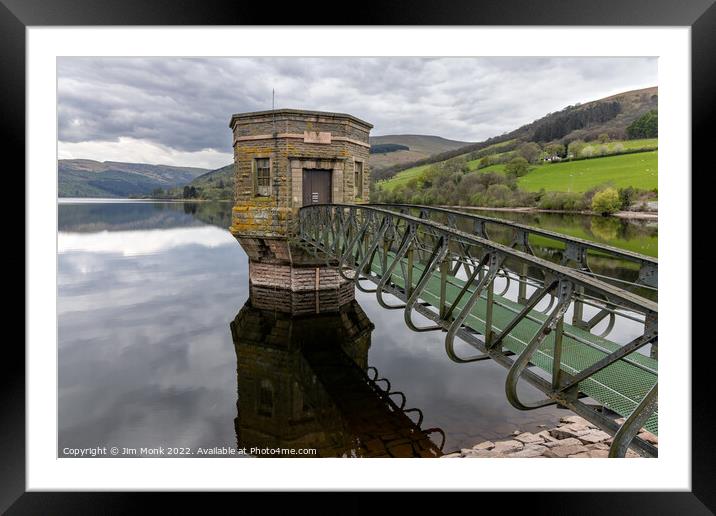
(610,115)
(419,147)
(89,178)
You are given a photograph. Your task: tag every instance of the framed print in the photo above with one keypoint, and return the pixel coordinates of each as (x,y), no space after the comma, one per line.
(367,252)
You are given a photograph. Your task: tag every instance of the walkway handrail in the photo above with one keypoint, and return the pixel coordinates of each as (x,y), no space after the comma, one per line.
(580,279)
(648,265)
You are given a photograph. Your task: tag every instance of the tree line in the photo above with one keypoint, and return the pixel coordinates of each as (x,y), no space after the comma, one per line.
(561,124)
(384,148)
(646,126)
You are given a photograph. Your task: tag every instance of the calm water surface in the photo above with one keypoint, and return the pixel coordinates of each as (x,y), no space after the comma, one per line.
(147,294)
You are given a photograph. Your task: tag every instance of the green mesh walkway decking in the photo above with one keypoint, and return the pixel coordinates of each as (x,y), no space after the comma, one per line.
(619,387)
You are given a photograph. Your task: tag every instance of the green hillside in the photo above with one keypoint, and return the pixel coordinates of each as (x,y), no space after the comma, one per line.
(571,185)
(587,121)
(215,185)
(403,178)
(638,170)
(416,172)
(642,143)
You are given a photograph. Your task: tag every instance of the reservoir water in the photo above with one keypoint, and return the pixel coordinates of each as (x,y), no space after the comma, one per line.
(150,300)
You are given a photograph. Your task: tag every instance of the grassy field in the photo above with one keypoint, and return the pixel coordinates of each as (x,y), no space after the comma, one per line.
(498,167)
(497,146)
(472,165)
(403,177)
(638,170)
(416,172)
(645,143)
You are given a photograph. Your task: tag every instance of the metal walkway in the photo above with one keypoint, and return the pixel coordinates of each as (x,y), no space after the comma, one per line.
(536,317)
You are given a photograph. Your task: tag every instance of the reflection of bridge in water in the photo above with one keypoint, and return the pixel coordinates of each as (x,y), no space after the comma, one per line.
(304,382)
(553,324)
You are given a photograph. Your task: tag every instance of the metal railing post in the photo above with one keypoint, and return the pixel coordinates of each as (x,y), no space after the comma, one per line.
(444,268)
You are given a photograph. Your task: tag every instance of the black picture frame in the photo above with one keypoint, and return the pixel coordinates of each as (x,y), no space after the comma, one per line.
(699,15)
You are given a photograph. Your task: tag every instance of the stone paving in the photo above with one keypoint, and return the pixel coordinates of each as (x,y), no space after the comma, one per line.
(574,438)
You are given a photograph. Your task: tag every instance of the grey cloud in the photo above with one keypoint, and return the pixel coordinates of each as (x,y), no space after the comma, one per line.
(185,103)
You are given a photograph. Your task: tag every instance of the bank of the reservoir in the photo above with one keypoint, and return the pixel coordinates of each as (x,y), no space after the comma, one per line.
(574,438)
(643,215)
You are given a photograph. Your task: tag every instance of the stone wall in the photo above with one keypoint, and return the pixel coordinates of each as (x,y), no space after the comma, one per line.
(294,278)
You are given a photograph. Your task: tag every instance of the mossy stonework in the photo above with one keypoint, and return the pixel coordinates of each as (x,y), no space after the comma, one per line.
(276,155)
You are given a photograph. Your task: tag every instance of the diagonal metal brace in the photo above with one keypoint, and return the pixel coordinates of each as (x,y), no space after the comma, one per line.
(519,365)
(438,255)
(534,299)
(495,262)
(634,422)
(348,252)
(408,239)
(368,258)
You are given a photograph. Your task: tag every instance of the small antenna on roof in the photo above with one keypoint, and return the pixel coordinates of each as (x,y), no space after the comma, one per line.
(273,109)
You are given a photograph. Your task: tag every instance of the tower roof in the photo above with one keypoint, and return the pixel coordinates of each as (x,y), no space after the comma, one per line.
(296,112)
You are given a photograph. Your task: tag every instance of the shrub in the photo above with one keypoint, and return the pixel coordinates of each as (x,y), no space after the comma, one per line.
(517,167)
(568,201)
(626,197)
(529,151)
(587,151)
(555,149)
(575,148)
(606,202)
(498,196)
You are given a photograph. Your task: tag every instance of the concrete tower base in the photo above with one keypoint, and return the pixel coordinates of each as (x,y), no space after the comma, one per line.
(284,276)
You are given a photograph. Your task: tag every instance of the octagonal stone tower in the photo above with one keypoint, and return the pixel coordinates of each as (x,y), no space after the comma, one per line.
(285,159)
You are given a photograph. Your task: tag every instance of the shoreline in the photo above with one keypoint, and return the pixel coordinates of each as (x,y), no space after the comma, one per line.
(644,215)
(79,200)
(573,438)
(636,215)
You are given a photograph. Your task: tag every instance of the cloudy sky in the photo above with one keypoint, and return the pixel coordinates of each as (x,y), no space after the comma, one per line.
(176,111)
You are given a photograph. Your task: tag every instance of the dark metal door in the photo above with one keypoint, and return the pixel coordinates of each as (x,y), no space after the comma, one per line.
(316,186)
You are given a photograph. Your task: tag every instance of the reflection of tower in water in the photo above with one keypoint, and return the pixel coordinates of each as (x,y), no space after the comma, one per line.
(304,381)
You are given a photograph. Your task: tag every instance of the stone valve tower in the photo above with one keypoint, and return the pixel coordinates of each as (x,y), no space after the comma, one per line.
(285,159)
